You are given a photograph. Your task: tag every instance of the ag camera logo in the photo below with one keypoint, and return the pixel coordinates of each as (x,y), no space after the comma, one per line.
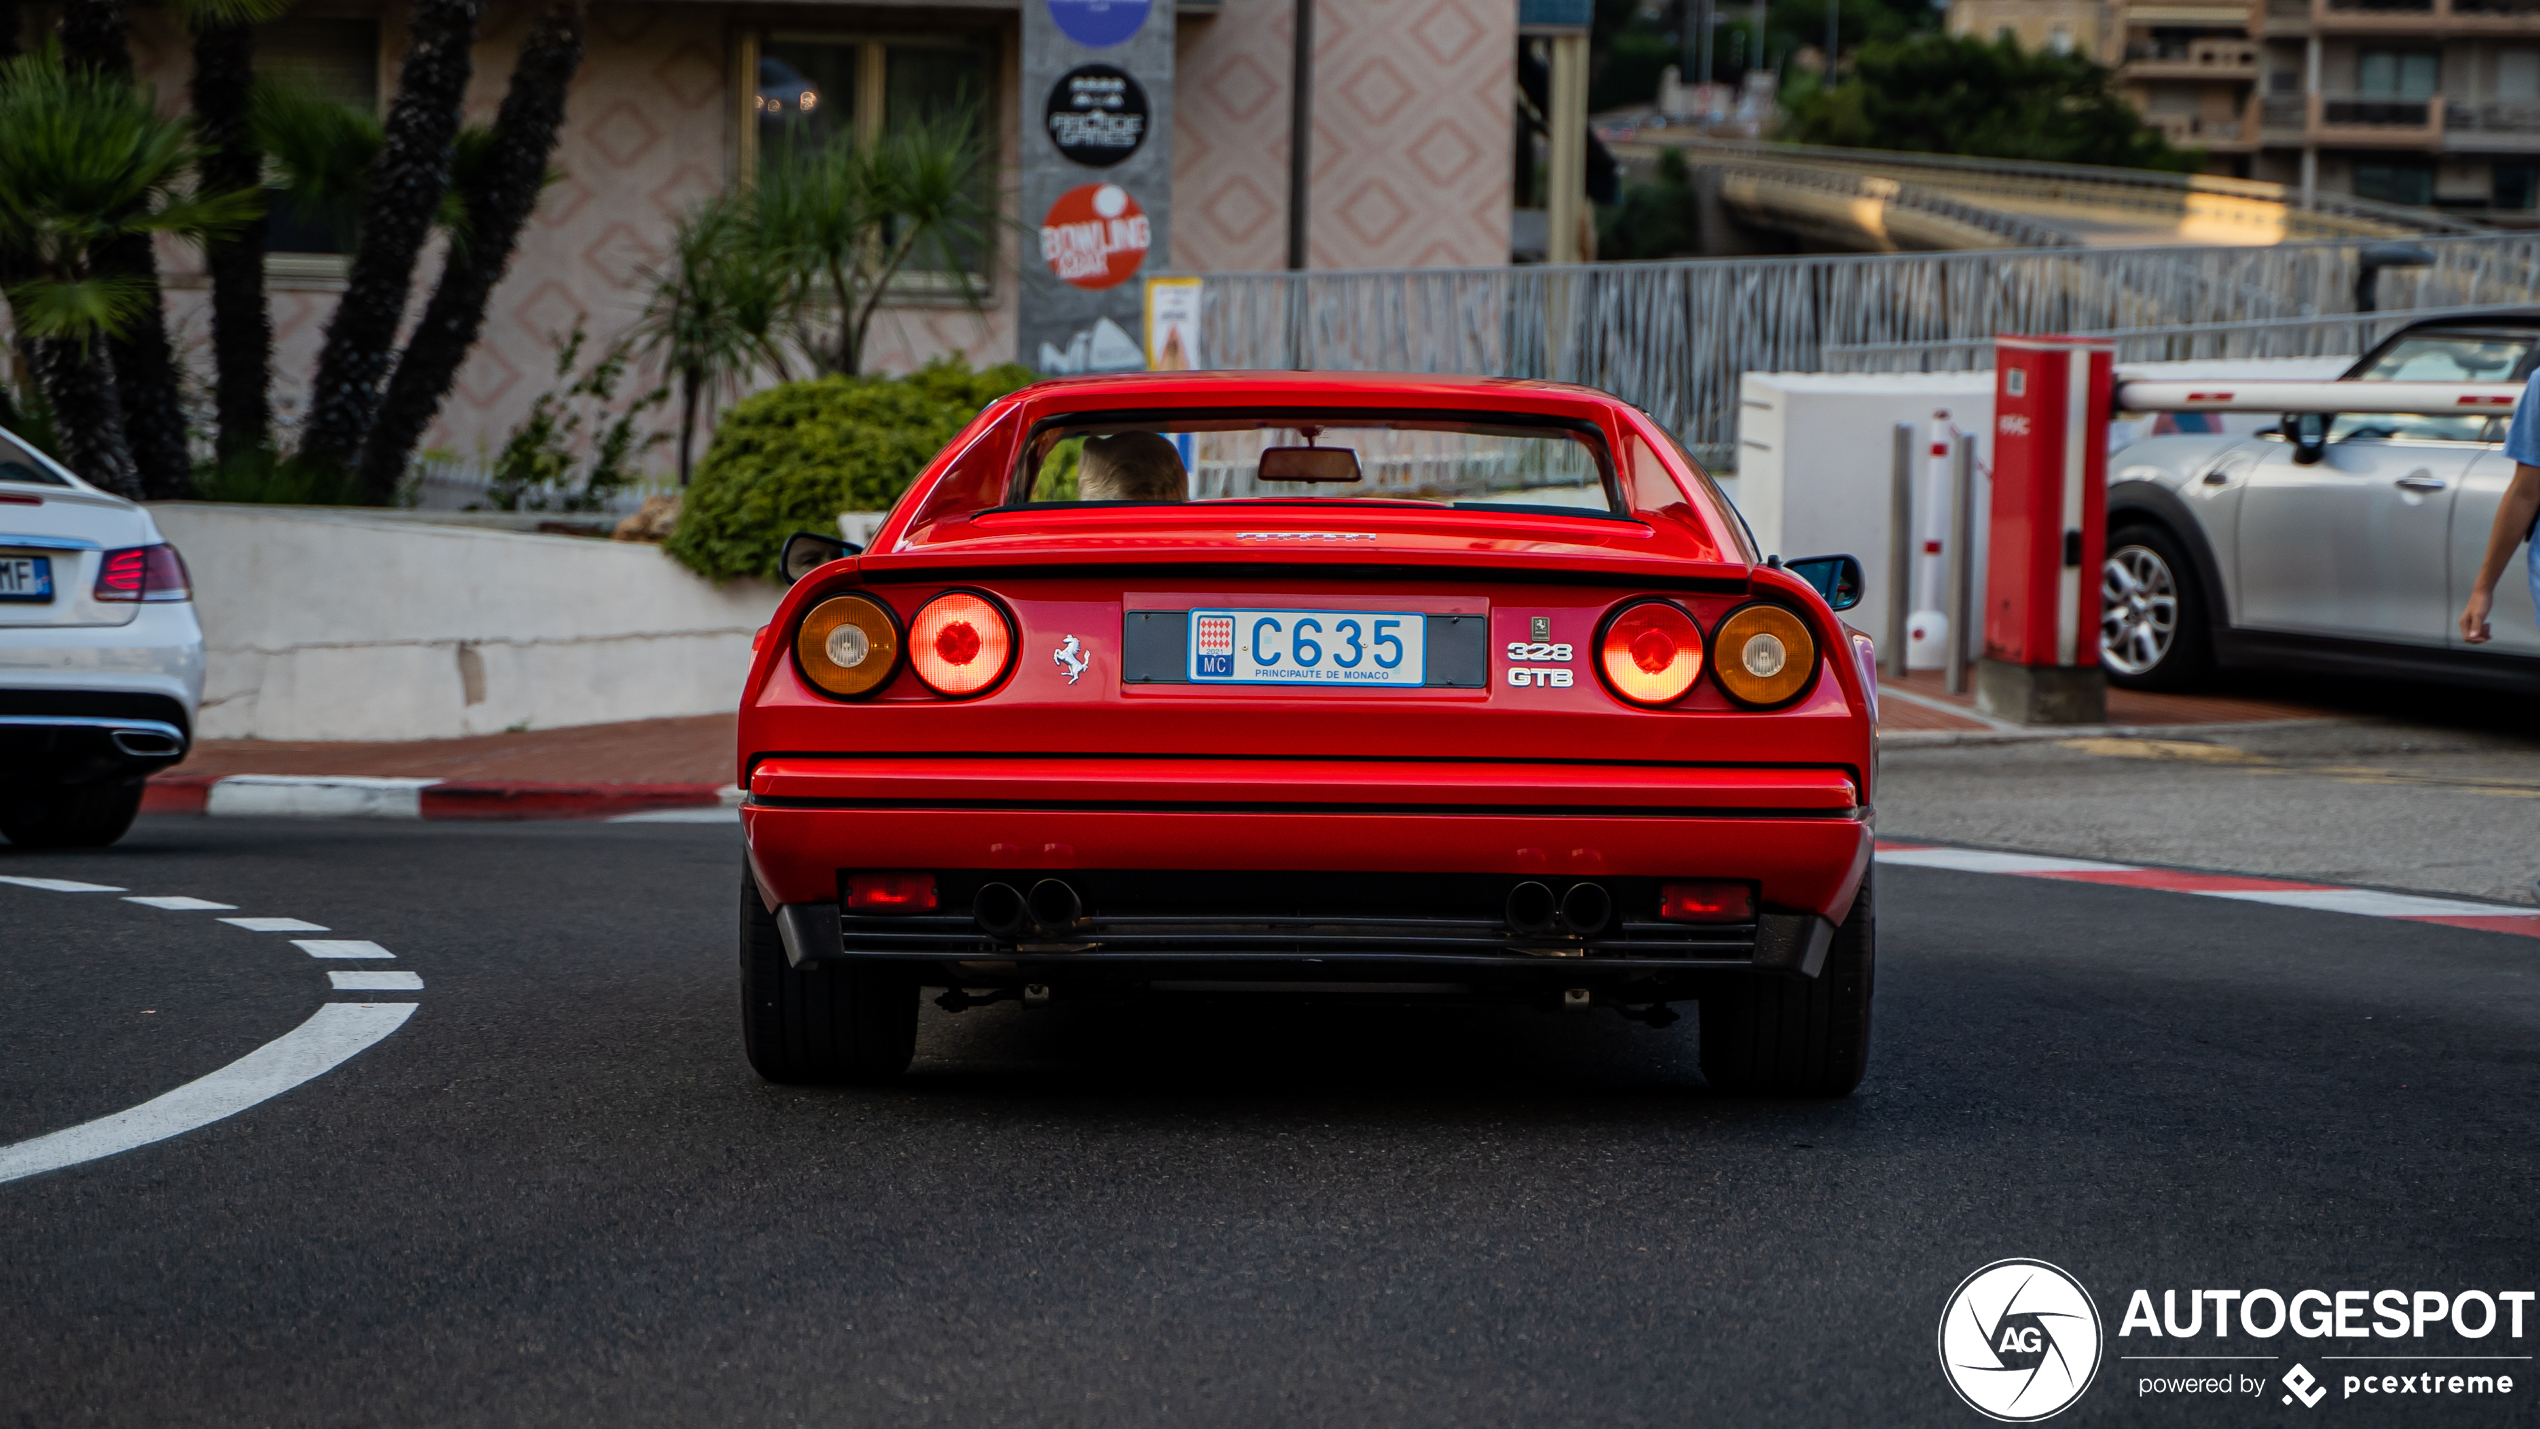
(2019,1341)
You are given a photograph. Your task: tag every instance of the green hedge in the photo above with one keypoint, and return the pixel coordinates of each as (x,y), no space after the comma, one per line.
(791,458)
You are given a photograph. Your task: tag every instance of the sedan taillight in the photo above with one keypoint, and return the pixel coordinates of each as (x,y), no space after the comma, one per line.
(143,573)
(960,644)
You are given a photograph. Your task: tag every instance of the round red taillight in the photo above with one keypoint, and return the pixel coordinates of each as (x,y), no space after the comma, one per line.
(960,644)
(1651,652)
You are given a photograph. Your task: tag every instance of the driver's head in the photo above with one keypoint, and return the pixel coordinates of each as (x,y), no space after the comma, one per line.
(1133,466)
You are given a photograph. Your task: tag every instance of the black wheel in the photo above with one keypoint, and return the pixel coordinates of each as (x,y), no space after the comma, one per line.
(844,1023)
(1781,1036)
(2155,627)
(70,815)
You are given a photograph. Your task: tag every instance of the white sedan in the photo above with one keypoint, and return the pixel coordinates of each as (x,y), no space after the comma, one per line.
(2346,545)
(101,660)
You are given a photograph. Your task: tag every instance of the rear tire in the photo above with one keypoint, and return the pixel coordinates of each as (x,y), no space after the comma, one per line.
(70,815)
(2155,626)
(847,1023)
(1775,1035)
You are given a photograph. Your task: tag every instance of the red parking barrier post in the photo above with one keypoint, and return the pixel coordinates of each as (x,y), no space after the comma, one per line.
(2050,497)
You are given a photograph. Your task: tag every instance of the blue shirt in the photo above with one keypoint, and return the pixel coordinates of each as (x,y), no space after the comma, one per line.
(2522,439)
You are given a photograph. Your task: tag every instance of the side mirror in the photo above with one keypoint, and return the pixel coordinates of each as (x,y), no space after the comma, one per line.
(1837,578)
(806,552)
(2308,431)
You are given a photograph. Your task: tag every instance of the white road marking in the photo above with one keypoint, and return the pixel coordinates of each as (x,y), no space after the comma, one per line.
(340,948)
(177,903)
(1976,860)
(275,925)
(680,816)
(2372,903)
(334,1034)
(374,980)
(59,885)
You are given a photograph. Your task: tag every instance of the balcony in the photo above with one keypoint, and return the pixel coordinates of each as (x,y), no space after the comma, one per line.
(2356,122)
(2195,131)
(2427,19)
(2197,59)
(2495,124)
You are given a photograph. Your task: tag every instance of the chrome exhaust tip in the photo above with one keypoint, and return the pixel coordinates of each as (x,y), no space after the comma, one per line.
(1054,906)
(999,911)
(1586,909)
(145,744)
(1531,908)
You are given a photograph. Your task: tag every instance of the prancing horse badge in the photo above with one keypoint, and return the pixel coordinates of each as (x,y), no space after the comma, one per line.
(1070,657)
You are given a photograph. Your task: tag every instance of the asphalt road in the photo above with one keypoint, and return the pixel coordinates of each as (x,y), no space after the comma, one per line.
(557,1195)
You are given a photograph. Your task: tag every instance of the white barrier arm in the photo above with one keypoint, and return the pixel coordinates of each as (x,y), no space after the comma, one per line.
(2431,399)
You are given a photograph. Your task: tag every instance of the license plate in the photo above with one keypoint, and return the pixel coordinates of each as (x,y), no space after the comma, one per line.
(1308,647)
(26,578)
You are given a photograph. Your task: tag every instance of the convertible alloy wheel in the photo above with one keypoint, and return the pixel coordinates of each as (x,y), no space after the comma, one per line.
(2138,610)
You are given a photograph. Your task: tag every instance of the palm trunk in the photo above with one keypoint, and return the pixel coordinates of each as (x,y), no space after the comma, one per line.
(88,426)
(144,366)
(499,200)
(407,182)
(242,326)
(687,422)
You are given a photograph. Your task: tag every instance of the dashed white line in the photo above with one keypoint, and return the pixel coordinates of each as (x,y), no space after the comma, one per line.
(374,980)
(341,948)
(275,925)
(176,903)
(58,885)
(332,1036)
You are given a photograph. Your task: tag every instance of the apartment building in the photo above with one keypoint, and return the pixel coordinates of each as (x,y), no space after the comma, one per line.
(2426,102)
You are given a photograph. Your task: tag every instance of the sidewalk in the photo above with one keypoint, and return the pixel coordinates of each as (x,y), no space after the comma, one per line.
(1921,704)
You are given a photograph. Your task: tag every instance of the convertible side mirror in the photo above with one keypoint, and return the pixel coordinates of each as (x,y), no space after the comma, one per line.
(1837,578)
(2308,431)
(806,552)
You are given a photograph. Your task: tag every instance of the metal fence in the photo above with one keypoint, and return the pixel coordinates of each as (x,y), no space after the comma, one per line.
(2336,334)
(1673,337)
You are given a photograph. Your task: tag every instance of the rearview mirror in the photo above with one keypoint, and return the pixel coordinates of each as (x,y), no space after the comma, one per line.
(1309,464)
(1837,578)
(2308,431)
(806,552)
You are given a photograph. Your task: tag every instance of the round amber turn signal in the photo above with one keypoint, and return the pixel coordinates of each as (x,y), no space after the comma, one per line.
(960,644)
(848,645)
(1651,652)
(1763,655)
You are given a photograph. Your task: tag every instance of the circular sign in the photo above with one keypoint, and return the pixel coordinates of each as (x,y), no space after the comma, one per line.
(1097,115)
(1099,24)
(2019,1340)
(1095,236)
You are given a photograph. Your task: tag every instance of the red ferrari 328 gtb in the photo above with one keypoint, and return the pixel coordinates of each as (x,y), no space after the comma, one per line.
(1332,685)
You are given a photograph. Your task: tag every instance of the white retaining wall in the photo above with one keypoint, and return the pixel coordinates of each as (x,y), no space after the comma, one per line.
(324,623)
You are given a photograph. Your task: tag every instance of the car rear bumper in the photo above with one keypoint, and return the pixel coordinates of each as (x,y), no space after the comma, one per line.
(1451,838)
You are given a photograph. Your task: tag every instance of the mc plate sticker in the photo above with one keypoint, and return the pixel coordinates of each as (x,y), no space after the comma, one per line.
(1308,647)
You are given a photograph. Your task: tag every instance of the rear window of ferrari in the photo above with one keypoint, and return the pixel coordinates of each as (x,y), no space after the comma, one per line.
(1289,456)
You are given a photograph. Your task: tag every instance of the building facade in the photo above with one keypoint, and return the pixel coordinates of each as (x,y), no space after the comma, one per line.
(2425,102)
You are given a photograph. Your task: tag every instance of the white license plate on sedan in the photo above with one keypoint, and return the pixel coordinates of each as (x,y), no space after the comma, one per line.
(1308,647)
(27,579)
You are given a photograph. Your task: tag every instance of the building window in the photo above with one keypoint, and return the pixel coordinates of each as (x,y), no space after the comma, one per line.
(335,60)
(2006,35)
(2061,40)
(2517,185)
(2518,75)
(2411,184)
(816,90)
(2388,74)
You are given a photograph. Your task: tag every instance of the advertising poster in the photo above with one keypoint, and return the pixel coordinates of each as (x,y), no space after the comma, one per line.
(1097,179)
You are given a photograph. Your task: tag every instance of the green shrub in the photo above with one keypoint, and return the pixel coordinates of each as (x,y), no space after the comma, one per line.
(793,457)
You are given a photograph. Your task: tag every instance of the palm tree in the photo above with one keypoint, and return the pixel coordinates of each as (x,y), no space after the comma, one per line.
(242,328)
(717,311)
(88,167)
(497,192)
(856,216)
(405,191)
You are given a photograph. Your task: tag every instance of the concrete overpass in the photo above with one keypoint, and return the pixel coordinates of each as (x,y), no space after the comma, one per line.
(1765,198)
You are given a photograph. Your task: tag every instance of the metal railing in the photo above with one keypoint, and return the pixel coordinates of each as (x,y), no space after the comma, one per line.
(1674,337)
(2334,335)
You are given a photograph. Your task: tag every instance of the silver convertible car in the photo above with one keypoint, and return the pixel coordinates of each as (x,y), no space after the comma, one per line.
(2346,544)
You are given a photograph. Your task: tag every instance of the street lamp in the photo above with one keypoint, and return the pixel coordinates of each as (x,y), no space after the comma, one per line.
(2372,258)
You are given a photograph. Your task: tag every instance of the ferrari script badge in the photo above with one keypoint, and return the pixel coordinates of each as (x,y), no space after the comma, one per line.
(1070,657)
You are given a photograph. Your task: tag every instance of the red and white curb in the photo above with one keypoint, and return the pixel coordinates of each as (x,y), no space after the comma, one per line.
(346,796)
(2322,897)
(333,1035)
